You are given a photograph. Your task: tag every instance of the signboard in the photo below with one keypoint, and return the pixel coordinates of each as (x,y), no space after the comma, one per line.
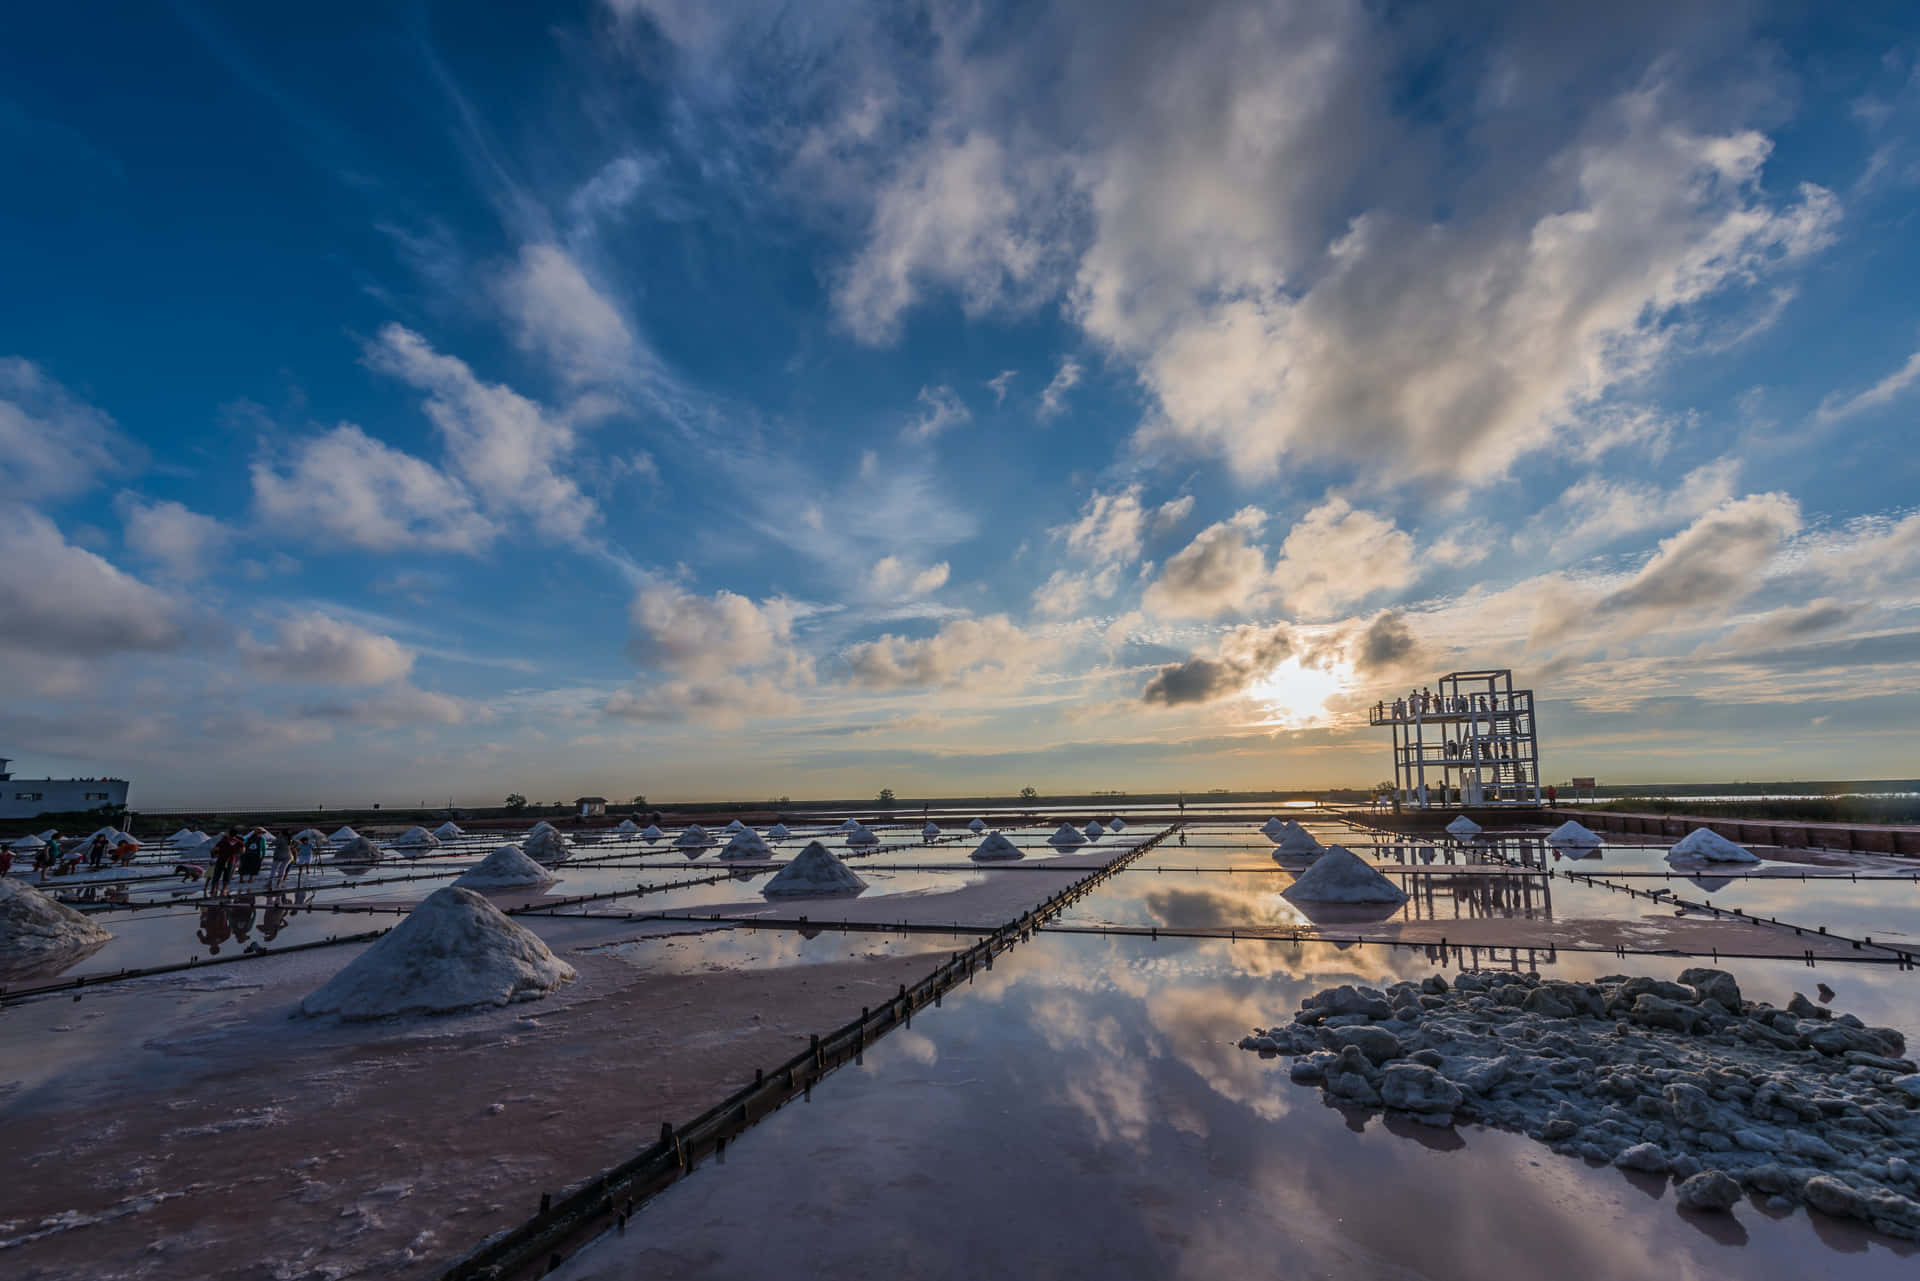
(1582,784)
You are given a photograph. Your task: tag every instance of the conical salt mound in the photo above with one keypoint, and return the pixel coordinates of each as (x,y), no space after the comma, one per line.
(1116,824)
(736,826)
(1464,828)
(448,831)
(36,930)
(49,834)
(358,850)
(507,868)
(1273,829)
(931,829)
(1705,843)
(997,847)
(626,825)
(861,836)
(652,833)
(695,837)
(746,844)
(455,951)
(185,836)
(1066,836)
(35,843)
(541,826)
(1296,840)
(1094,831)
(1571,835)
(313,834)
(416,838)
(344,835)
(813,871)
(778,832)
(546,847)
(976,827)
(1339,876)
(851,825)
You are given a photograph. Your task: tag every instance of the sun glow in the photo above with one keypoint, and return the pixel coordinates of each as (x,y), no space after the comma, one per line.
(1294,695)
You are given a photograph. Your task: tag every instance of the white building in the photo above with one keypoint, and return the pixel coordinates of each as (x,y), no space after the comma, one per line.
(27,797)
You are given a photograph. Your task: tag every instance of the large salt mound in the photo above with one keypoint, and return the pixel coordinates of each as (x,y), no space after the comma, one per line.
(861,836)
(1095,831)
(851,825)
(185,836)
(358,850)
(1340,876)
(695,837)
(416,838)
(976,827)
(1273,829)
(1066,836)
(541,826)
(652,833)
(546,847)
(1705,843)
(1464,828)
(997,846)
(626,825)
(931,829)
(35,929)
(344,835)
(313,834)
(455,951)
(778,832)
(1116,824)
(746,844)
(813,871)
(1296,840)
(448,831)
(507,868)
(33,843)
(735,825)
(1574,835)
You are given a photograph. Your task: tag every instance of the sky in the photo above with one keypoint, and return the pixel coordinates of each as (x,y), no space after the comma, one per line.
(413,402)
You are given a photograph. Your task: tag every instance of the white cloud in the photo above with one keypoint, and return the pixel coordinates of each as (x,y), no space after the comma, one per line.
(400,706)
(52,445)
(1053,400)
(1834,408)
(557,313)
(1170,514)
(964,651)
(1244,655)
(507,448)
(313,648)
(1066,593)
(892,576)
(1338,554)
(999,383)
(345,486)
(61,602)
(169,534)
(1219,572)
(705,637)
(940,409)
(1109,530)
(1597,509)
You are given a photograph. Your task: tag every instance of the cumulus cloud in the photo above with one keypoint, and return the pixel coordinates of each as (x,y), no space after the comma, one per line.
(556,312)
(1169,515)
(344,486)
(315,649)
(1053,399)
(171,535)
(53,445)
(703,638)
(1338,554)
(1598,509)
(1243,656)
(940,408)
(1387,643)
(508,449)
(1219,572)
(1109,530)
(962,651)
(892,576)
(61,602)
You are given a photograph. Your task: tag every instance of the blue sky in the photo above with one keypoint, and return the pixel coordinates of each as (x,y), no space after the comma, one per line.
(413,401)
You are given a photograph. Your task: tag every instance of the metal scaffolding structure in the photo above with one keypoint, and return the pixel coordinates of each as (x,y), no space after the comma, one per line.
(1470,742)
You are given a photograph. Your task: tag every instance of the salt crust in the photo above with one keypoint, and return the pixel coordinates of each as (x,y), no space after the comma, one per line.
(455,951)
(1682,1078)
(813,872)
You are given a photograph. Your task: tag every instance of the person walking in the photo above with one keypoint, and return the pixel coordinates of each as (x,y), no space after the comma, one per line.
(226,852)
(252,854)
(97,852)
(282,858)
(47,855)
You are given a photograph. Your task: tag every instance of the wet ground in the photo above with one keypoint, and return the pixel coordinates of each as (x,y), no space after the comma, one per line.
(1081,1109)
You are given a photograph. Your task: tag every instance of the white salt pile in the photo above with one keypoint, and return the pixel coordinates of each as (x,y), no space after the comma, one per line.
(746,844)
(541,826)
(507,868)
(652,833)
(931,829)
(814,871)
(1464,828)
(547,847)
(860,836)
(1095,831)
(1709,846)
(1116,824)
(48,835)
(1684,1078)
(778,832)
(851,825)
(113,834)
(695,837)
(1294,840)
(736,826)
(1574,835)
(996,846)
(1341,876)
(185,836)
(358,850)
(416,838)
(455,951)
(626,825)
(448,831)
(1273,829)
(30,843)
(314,834)
(35,929)
(344,835)
(1066,836)
(976,827)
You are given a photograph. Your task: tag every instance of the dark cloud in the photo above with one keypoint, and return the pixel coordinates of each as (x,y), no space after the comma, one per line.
(1386,641)
(1245,654)
(1716,559)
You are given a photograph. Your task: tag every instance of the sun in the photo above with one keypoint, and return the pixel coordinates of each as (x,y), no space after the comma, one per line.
(1294,695)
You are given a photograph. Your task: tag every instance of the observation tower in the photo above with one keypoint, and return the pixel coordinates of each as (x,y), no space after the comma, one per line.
(1468,741)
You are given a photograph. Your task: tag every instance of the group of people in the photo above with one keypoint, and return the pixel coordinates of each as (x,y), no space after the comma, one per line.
(1424,702)
(246,854)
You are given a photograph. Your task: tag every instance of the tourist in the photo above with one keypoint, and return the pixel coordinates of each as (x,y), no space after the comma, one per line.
(123,852)
(303,853)
(252,854)
(282,858)
(44,856)
(1553,794)
(226,852)
(97,852)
